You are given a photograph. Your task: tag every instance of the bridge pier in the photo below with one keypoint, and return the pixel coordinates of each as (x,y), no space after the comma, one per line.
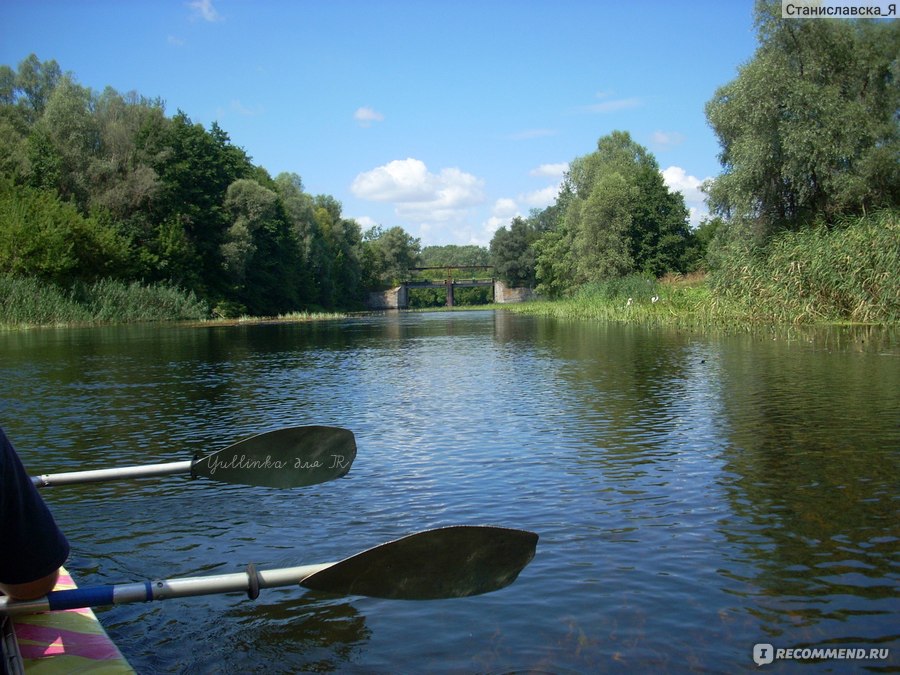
(398,298)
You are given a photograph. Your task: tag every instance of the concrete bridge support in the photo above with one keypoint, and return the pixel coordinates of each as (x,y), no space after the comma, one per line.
(504,294)
(394,298)
(398,298)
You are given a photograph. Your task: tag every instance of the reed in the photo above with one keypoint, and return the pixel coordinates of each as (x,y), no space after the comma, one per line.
(26,302)
(636,299)
(846,273)
(849,273)
(290,317)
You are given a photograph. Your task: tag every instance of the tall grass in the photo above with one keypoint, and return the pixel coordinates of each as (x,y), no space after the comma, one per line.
(31,302)
(300,316)
(637,299)
(847,273)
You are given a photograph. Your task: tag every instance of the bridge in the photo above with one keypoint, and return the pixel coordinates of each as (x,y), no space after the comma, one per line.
(398,297)
(449,282)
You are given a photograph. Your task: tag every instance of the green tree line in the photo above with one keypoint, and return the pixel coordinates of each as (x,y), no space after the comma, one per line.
(809,143)
(614,217)
(107,186)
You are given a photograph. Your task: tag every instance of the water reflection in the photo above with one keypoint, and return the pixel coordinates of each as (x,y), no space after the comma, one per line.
(813,451)
(695,493)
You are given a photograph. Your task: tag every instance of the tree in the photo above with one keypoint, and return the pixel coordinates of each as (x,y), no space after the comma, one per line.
(389,254)
(108,185)
(336,254)
(554,262)
(121,178)
(251,208)
(45,237)
(809,127)
(259,253)
(454,255)
(307,236)
(195,169)
(512,252)
(601,224)
(30,89)
(69,140)
(614,216)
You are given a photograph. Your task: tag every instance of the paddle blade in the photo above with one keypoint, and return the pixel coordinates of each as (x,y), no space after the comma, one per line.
(285,458)
(449,562)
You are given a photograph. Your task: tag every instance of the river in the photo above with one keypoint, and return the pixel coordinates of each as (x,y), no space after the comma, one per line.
(695,493)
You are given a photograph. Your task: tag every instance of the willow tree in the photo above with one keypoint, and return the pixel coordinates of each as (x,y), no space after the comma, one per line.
(808,129)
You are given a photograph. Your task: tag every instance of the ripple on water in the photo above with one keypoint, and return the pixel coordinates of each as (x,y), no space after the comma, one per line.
(694,494)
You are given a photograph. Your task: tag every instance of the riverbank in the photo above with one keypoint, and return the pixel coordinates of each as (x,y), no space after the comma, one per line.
(686,302)
(27,302)
(292,317)
(846,273)
(675,300)
(31,303)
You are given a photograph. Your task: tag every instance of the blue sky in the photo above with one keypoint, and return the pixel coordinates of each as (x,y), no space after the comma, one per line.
(446,118)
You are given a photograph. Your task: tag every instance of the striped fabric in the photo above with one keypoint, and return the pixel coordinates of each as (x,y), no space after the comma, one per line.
(71,642)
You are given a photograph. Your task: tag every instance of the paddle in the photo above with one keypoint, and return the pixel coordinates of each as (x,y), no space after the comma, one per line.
(448,562)
(284,458)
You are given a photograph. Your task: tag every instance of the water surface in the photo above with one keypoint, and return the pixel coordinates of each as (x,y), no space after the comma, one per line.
(695,494)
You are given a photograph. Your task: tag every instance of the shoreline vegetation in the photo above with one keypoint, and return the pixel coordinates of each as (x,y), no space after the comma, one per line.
(32,303)
(844,274)
(848,274)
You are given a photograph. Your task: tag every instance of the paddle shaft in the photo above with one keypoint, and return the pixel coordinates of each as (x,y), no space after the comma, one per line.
(445,562)
(116,473)
(283,458)
(163,589)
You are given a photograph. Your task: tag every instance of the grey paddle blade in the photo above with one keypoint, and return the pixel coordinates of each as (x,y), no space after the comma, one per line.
(285,458)
(449,562)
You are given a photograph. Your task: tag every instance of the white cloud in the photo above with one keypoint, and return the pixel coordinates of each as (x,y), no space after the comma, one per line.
(666,139)
(491,225)
(365,116)
(539,199)
(678,180)
(505,207)
(610,105)
(365,222)
(551,170)
(503,211)
(204,9)
(176,41)
(418,194)
(401,180)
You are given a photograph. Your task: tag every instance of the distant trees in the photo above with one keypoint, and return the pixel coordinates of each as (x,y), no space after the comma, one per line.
(454,254)
(614,216)
(513,254)
(389,256)
(809,133)
(96,185)
(105,185)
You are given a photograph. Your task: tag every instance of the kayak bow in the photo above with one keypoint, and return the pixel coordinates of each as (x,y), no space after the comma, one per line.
(70,641)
